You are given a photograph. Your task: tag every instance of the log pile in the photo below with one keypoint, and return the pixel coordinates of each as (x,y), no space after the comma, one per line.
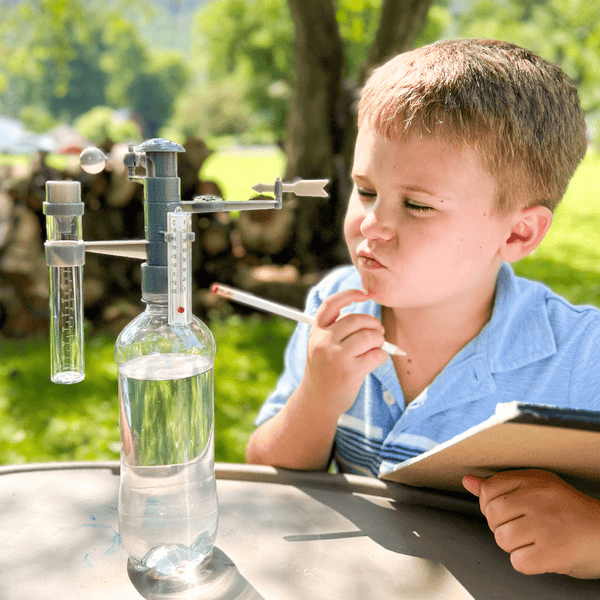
(250,252)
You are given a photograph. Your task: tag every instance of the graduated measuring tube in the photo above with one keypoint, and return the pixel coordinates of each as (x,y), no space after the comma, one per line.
(65,255)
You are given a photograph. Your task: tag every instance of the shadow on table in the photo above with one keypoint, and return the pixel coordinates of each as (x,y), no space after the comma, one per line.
(463,544)
(219,580)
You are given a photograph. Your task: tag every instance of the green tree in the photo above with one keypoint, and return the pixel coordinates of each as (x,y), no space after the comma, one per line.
(37,119)
(99,124)
(69,56)
(249,43)
(50,57)
(300,63)
(144,81)
(566,32)
(223,111)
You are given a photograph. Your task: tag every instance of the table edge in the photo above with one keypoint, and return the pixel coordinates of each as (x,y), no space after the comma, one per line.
(333,482)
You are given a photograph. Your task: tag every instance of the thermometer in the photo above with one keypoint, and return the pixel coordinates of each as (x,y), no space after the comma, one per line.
(179,238)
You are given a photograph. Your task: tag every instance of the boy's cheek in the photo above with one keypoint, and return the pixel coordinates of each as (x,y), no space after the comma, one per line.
(351,231)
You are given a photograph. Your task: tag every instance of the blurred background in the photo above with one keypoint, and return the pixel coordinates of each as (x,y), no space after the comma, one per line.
(253,89)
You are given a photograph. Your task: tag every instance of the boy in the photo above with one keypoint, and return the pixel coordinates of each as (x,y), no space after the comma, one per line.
(464,150)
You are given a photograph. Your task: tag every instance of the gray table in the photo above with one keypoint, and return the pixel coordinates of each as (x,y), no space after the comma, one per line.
(282,535)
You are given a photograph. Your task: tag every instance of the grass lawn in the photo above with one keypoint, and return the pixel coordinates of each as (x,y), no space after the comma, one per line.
(238,170)
(41,421)
(568,259)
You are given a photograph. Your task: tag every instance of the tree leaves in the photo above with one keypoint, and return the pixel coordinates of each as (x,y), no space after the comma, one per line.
(70,56)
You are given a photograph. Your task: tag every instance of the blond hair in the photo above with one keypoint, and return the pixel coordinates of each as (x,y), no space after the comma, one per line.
(521,113)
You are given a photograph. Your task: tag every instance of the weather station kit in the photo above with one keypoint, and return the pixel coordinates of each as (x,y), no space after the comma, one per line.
(167,504)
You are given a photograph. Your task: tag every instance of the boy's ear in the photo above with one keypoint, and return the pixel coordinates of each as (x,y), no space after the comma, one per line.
(529,226)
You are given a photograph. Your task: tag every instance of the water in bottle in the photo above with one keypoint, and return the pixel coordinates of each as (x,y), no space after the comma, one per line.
(167,499)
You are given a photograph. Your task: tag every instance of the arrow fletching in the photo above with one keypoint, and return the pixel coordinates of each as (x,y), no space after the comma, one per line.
(302,187)
(307,187)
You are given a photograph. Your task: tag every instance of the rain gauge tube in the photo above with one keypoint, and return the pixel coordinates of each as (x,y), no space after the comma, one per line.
(65,255)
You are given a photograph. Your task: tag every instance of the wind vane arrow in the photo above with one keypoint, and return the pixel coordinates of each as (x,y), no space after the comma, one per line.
(302,187)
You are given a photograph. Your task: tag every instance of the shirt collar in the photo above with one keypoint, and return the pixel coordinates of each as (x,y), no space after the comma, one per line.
(519,332)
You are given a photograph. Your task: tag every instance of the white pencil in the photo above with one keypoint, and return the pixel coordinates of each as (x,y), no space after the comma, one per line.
(281,310)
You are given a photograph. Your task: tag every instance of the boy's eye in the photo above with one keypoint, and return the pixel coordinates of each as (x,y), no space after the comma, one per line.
(416,207)
(369,195)
(363,193)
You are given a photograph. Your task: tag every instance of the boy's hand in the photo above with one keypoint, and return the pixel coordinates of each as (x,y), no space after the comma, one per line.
(546,525)
(341,352)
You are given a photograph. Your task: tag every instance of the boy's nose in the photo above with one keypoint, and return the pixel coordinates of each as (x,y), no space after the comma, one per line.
(374,224)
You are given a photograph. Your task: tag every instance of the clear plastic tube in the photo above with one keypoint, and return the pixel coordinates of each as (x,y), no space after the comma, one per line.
(65,257)
(66,325)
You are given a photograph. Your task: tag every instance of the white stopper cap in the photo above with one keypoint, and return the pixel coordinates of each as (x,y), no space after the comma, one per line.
(63,192)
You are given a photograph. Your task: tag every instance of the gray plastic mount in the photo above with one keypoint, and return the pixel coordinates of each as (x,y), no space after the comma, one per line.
(65,253)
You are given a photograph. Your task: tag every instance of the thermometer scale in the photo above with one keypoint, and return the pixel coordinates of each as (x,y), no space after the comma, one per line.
(179,238)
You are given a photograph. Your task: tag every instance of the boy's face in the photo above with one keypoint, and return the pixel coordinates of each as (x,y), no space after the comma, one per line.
(420,224)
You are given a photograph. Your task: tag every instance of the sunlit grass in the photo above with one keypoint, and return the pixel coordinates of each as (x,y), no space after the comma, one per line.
(41,421)
(238,170)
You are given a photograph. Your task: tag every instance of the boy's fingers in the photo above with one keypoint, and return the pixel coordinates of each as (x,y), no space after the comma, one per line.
(348,324)
(329,311)
(506,482)
(472,483)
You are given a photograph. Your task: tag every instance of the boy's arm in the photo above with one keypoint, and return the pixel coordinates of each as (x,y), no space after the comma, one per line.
(341,352)
(546,525)
(297,437)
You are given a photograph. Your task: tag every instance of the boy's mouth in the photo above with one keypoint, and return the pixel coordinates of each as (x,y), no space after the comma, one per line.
(368,261)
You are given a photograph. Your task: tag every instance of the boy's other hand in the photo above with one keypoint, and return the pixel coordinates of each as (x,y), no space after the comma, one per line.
(342,350)
(546,525)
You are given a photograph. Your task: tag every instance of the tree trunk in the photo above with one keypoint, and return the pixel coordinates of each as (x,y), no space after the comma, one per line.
(313,129)
(321,126)
(399,25)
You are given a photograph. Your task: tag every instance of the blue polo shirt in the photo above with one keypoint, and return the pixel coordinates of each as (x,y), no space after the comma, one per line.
(536,348)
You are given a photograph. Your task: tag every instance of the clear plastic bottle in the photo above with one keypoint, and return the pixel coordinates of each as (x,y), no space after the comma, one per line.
(168,510)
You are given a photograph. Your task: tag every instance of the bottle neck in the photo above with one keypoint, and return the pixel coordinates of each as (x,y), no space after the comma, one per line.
(157,305)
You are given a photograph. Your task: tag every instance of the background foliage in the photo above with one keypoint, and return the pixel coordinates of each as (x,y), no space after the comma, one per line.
(65,57)
(566,32)
(226,67)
